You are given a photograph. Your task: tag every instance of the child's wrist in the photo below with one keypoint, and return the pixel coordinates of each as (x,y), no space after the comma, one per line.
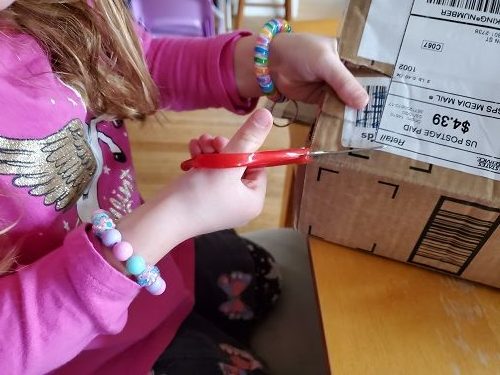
(106,254)
(146,275)
(244,69)
(263,55)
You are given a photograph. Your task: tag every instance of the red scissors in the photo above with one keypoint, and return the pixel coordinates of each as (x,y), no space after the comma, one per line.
(261,159)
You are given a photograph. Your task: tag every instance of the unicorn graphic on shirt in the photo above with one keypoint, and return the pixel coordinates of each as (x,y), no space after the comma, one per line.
(88,203)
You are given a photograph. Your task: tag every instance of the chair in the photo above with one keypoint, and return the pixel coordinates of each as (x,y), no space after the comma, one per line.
(287,4)
(290,340)
(174,17)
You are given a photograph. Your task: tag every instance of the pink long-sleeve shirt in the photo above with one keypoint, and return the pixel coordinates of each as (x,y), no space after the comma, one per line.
(65,309)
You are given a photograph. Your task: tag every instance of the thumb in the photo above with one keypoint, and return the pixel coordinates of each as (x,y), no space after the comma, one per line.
(345,85)
(341,79)
(251,135)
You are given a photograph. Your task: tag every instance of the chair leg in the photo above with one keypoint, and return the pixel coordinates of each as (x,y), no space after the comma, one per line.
(288,10)
(229,15)
(241,11)
(240,14)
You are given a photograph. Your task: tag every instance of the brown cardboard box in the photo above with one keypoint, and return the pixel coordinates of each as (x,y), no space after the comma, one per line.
(400,208)
(352,30)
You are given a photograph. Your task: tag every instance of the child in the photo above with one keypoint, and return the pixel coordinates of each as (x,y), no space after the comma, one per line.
(69,72)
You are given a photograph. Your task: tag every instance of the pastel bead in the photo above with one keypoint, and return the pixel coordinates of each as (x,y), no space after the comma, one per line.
(102,223)
(149,276)
(158,287)
(98,216)
(136,265)
(111,237)
(122,251)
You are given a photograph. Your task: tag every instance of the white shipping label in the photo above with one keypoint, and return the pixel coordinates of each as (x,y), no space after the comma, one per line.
(384,29)
(443,105)
(360,126)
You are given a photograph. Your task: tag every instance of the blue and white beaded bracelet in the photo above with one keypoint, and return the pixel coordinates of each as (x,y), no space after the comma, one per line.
(147,276)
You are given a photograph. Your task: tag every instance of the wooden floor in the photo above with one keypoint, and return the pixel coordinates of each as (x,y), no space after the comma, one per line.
(160,143)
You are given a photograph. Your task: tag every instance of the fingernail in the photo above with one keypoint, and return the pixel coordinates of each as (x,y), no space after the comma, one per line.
(361,101)
(261,119)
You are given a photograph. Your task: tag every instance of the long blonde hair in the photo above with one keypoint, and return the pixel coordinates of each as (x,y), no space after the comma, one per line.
(93,48)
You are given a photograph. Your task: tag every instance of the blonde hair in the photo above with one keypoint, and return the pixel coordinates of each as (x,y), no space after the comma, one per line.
(93,48)
(8,260)
(8,249)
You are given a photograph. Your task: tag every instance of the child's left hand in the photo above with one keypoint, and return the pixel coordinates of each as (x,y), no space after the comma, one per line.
(301,66)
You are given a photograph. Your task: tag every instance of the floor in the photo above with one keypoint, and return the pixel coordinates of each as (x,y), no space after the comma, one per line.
(160,143)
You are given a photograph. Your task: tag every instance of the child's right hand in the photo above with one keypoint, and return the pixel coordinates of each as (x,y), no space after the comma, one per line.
(225,198)
(202,200)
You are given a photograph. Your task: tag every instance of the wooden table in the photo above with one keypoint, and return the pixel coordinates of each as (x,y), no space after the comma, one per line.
(385,317)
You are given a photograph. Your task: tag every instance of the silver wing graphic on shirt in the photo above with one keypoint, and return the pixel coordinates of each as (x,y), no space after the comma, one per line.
(58,167)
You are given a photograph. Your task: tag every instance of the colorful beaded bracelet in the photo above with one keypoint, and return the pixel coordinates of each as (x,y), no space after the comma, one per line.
(147,276)
(261,57)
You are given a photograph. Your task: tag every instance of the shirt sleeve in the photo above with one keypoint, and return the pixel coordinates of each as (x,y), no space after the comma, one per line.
(196,73)
(54,307)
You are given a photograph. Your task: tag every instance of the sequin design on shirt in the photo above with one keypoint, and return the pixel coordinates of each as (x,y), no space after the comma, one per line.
(58,167)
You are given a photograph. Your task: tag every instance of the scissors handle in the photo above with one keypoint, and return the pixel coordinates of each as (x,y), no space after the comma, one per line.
(250,160)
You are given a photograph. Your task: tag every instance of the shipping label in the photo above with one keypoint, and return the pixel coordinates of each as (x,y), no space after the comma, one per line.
(443,102)
(360,126)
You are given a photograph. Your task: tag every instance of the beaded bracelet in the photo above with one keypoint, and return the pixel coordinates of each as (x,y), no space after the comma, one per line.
(147,276)
(261,57)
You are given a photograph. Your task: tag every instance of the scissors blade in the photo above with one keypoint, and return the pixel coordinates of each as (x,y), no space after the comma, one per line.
(325,153)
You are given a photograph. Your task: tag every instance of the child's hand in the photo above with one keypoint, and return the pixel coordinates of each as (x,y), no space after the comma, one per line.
(207,144)
(202,200)
(224,198)
(301,66)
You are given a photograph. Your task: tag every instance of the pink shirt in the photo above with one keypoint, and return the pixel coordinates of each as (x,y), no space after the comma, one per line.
(65,309)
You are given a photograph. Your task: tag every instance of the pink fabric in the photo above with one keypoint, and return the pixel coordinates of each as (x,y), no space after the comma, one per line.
(65,309)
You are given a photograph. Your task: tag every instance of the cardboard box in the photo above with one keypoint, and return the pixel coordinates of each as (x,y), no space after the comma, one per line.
(399,208)
(369,37)
(411,211)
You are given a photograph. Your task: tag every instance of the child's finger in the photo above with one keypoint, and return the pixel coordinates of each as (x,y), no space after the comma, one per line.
(255,178)
(252,133)
(219,143)
(194,148)
(205,142)
(249,138)
(345,85)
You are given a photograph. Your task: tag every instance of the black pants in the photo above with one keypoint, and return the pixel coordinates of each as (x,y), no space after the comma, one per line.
(236,284)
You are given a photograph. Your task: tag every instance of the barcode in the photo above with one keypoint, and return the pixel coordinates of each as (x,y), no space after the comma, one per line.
(370,116)
(454,234)
(485,6)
